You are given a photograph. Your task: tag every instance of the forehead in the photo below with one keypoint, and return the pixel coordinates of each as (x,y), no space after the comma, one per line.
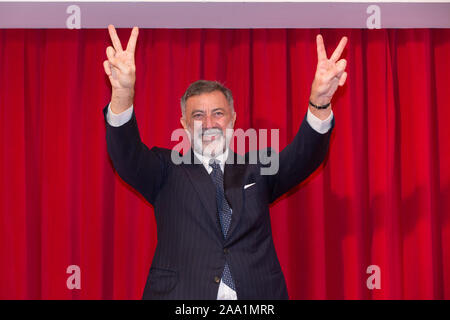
(214,99)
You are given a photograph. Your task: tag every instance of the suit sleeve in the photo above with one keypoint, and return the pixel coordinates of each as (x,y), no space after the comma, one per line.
(142,168)
(299,159)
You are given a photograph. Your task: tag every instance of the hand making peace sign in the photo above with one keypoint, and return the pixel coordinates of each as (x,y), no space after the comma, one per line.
(120,66)
(330,73)
(121,70)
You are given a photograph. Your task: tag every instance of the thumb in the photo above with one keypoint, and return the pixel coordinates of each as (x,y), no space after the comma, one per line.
(342,79)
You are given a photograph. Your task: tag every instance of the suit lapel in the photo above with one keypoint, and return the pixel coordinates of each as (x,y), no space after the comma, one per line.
(234,174)
(204,186)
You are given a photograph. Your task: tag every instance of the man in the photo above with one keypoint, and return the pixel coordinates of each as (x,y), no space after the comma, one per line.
(212,211)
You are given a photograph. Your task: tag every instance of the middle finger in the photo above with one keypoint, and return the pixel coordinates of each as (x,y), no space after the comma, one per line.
(115,38)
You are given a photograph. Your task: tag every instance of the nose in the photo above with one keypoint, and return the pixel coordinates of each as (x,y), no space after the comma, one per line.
(208,122)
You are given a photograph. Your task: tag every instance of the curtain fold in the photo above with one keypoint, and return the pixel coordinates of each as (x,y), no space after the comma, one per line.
(381,197)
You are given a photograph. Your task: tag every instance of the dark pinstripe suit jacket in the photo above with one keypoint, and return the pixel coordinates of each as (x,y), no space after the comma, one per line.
(191,251)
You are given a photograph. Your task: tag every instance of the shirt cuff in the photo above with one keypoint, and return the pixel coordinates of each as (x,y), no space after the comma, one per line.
(321,126)
(118,119)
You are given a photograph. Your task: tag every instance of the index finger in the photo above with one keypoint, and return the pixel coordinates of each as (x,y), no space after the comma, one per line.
(321,53)
(114,38)
(337,53)
(131,46)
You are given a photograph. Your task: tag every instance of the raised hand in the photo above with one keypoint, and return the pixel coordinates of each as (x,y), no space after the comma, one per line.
(121,70)
(330,73)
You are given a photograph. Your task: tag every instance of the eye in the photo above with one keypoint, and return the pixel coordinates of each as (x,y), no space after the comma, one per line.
(197,116)
(219,113)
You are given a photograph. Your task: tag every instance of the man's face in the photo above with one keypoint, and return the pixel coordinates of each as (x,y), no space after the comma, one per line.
(207,117)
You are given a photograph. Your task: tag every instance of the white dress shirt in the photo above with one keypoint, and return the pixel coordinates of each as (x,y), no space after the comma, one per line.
(321,126)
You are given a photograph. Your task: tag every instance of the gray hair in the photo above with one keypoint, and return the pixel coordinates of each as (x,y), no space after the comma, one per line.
(205,86)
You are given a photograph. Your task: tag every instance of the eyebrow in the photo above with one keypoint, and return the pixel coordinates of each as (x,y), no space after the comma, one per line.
(201,111)
(196,111)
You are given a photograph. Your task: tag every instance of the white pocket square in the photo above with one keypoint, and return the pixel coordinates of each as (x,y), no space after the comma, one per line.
(249,185)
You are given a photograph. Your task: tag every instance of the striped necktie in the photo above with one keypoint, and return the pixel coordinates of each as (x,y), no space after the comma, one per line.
(224,214)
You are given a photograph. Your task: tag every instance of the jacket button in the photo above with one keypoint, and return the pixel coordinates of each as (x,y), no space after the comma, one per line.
(216,279)
(225,250)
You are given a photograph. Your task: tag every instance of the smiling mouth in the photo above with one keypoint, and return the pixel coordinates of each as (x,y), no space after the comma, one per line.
(209,138)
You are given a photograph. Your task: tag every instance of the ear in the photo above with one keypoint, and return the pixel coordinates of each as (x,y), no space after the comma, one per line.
(183,123)
(234,118)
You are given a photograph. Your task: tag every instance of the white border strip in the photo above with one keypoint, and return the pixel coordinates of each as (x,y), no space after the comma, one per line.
(212,14)
(240,1)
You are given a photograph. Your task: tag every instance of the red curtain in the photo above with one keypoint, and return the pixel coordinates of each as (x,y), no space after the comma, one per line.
(381,198)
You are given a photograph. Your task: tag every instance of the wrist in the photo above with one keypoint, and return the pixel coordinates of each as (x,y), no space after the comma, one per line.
(123,92)
(121,99)
(322,107)
(319,101)
(322,114)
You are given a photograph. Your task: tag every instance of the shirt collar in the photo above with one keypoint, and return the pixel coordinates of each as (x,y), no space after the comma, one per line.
(205,160)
